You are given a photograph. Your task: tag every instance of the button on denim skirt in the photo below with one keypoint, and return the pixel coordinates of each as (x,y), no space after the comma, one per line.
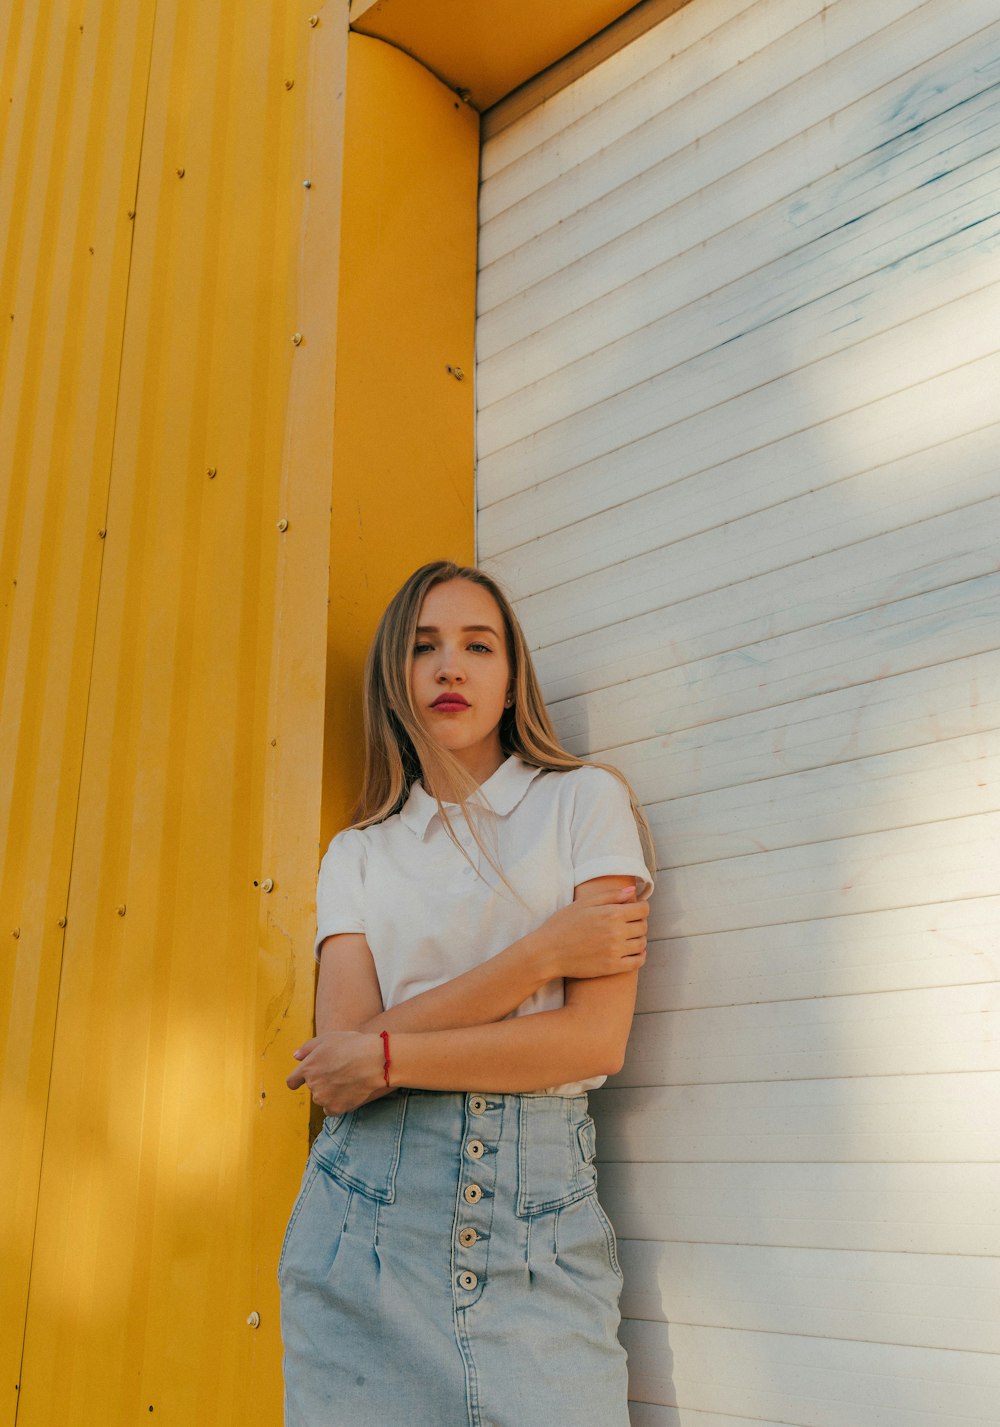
(447,1264)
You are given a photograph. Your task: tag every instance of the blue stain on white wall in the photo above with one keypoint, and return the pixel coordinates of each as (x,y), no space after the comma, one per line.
(923,194)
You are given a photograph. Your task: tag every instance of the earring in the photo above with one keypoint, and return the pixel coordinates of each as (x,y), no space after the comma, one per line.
(508,701)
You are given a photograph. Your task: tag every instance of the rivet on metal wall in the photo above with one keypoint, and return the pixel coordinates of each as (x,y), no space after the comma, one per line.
(314,21)
(307,183)
(253,1321)
(131,213)
(267,885)
(274,743)
(101,534)
(16,933)
(120,909)
(456,372)
(296,339)
(212,473)
(282,525)
(180,173)
(289,83)
(62,921)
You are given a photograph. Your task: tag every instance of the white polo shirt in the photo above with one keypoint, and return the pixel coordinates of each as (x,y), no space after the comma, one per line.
(428,915)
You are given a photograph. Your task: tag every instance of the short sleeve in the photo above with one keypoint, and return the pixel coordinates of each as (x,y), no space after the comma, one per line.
(605,838)
(340,891)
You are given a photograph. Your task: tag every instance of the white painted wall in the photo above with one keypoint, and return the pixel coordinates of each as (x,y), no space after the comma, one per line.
(739,385)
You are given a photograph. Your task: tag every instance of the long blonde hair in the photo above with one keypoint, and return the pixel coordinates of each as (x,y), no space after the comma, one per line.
(398,749)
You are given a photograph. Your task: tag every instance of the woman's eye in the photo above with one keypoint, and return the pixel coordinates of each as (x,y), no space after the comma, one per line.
(485,647)
(420,648)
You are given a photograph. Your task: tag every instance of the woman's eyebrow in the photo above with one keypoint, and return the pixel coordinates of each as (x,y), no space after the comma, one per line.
(466,629)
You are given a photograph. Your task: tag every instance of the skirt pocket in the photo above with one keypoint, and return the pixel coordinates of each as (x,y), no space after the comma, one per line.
(611,1238)
(556,1147)
(308,1180)
(586,1247)
(361,1149)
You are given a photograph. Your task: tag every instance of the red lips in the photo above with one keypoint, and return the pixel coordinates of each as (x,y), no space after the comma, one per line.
(450,701)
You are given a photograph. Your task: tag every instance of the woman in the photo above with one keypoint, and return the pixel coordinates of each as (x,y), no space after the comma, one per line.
(480,927)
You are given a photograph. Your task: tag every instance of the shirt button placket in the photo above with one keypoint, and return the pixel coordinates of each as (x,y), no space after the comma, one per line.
(475,1206)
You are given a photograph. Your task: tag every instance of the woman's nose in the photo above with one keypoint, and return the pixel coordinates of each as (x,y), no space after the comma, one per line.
(449,669)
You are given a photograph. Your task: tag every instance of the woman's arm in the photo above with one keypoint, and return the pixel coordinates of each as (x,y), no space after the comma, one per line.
(603,933)
(586,1037)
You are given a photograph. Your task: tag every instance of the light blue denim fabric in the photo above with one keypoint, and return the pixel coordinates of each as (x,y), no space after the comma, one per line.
(391,1317)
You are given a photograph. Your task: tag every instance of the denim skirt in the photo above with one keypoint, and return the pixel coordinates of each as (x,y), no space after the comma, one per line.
(447,1264)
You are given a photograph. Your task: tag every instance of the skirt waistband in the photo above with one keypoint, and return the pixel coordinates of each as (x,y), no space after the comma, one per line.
(550,1138)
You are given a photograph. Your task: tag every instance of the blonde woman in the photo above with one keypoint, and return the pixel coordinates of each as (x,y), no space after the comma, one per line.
(480,927)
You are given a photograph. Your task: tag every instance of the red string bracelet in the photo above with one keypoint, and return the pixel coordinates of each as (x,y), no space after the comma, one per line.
(385,1050)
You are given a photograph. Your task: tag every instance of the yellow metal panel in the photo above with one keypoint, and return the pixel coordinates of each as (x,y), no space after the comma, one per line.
(74,81)
(187,424)
(404,453)
(485,49)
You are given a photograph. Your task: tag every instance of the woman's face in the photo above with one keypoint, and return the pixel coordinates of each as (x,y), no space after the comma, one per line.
(461,674)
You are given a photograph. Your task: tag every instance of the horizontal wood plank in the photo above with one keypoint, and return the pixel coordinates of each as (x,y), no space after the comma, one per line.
(604,102)
(866,438)
(931,783)
(815,181)
(956,943)
(896,637)
(949,218)
(818,1382)
(929,1030)
(746,115)
(852,200)
(937,702)
(770,383)
(881,1208)
(650,1414)
(857,1119)
(955,473)
(914,1300)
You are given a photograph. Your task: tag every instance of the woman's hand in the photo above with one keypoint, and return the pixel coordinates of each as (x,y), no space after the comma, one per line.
(343,1069)
(597,935)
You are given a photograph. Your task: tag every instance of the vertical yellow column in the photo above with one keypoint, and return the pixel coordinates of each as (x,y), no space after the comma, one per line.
(404,432)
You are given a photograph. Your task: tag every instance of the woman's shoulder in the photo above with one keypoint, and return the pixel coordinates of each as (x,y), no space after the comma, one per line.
(348,845)
(579,792)
(356,843)
(588,778)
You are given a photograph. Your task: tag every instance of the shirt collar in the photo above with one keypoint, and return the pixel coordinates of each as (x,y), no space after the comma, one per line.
(502,792)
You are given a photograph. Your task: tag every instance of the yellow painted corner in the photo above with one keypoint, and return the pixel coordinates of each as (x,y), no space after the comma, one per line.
(404,418)
(485,50)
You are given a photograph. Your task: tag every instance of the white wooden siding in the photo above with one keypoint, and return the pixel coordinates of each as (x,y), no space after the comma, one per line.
(739,464)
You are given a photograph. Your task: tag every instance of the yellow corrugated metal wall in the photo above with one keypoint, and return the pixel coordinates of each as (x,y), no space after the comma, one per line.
(185,597)
(162,659)
(54,471)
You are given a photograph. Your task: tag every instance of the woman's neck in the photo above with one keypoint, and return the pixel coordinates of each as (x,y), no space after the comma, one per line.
(480,764)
